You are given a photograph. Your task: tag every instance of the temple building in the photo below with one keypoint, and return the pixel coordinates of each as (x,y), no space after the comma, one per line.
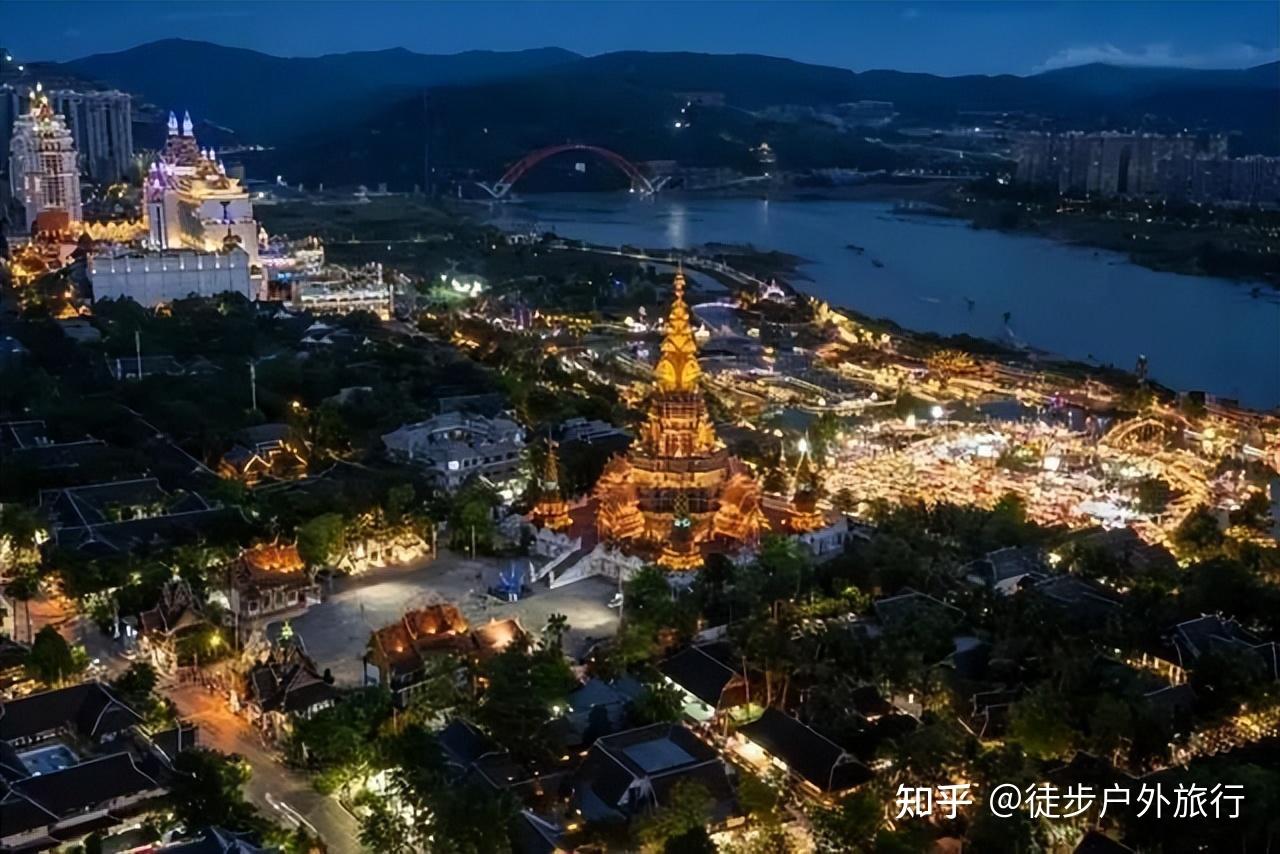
(44,172)
(678,493)
(193,203)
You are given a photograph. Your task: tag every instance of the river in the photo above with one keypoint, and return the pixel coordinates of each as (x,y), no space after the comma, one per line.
(940,275)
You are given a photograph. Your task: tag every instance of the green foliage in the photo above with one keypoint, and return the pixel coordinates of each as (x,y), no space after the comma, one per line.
(51,659)
(471,518)
(1198,536)
(1037,722)
(339,745)
(321,539)
(516,707)
(688,808)
(208,790)
(851,825)
(426,810)
(660,702)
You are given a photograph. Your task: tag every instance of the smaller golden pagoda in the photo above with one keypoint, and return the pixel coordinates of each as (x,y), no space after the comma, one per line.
(551,511)
(803,514)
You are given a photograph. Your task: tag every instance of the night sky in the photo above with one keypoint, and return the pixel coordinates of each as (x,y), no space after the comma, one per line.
(943,38)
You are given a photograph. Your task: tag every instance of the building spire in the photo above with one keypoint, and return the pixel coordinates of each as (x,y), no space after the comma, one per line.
(677,368)
(173,124)
(187,127)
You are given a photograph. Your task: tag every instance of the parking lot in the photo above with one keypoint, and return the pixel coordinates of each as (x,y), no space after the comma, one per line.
(336,631)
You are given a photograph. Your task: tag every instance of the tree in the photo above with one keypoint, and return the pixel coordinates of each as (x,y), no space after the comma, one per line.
(471,518)
(208,789)
(850,825)
(19,531)
(554,631)
(51,659)
(135,685)
(1038,723)
(661,702)
(695,840)
(522,688)
(1198,535)
(688,807)
(321,539)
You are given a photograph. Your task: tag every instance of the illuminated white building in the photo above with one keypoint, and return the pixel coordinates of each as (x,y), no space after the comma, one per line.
(43,171)
(150,279)
(191,201)
(453,447)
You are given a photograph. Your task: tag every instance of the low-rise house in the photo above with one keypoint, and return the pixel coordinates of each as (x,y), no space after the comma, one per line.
(821,767)
(121,515)
(399,655)
(269,580)
(178,613)
(628,774)
(1209,633)
(73,761)
(285,684)
(1004,569)
(709,680)
(454,446)
(1086,605)
(266,450)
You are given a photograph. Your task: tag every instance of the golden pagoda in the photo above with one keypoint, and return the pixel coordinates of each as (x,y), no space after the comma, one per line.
(551,511)
(803,514)
(678,492)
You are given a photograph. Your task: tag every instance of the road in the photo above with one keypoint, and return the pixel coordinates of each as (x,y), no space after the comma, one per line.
(282,795)
(336,632)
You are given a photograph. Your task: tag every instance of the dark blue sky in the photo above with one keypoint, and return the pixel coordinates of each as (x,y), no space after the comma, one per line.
(940,37)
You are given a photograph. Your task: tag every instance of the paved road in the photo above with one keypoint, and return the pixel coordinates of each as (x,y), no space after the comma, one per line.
(336,631)
(281,794)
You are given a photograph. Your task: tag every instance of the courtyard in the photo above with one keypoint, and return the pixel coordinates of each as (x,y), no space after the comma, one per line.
(336,631)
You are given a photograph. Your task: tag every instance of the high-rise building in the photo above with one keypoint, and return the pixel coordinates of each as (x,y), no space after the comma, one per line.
(1178,166)
(102,125)
(43,171)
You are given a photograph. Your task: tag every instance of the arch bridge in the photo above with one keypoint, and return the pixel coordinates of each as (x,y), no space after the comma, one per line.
(639,181)
(1145,432)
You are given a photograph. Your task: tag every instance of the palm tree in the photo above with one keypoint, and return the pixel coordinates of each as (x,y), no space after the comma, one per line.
(554,631)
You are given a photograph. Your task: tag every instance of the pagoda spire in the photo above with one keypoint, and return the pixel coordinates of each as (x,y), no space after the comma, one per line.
(677,369)
(551,510)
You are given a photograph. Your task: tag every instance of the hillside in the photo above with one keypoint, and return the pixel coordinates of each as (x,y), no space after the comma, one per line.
(359,117)
(270,99)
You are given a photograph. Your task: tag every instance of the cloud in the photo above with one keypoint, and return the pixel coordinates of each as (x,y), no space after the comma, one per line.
(1234,55)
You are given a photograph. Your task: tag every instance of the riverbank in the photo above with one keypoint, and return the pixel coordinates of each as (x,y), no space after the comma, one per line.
(1237,245)
(937,275)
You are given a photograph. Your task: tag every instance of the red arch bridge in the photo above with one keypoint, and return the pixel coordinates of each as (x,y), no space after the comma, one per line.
(640,183)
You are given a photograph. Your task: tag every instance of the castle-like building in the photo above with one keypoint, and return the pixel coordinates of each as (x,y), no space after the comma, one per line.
(192,203)
(678,493)
(44,173)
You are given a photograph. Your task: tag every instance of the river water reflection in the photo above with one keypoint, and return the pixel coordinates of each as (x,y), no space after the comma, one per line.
(939,275)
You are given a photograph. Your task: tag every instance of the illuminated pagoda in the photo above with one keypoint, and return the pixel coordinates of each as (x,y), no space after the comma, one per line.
(551,511)
(803,513)
(678,493)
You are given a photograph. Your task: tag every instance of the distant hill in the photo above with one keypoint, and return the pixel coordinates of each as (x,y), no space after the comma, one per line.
(269,98)
(359,117)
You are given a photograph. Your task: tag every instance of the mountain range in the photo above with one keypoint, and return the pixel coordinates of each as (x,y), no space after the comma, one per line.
(364,114)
